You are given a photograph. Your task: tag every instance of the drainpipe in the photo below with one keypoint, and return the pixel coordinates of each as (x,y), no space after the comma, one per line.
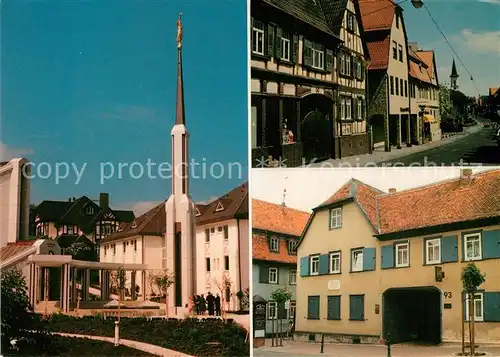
(388,108)
(368,106)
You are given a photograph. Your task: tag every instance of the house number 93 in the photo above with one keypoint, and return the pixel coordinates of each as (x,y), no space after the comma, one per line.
(447,295)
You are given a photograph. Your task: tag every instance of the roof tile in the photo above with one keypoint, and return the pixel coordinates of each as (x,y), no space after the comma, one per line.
(261,251)
(276,218)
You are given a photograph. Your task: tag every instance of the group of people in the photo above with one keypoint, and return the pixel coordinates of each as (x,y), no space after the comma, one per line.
(210,303)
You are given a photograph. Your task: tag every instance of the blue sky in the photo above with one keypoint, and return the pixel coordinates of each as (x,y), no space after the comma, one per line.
(94,81)
(473,29)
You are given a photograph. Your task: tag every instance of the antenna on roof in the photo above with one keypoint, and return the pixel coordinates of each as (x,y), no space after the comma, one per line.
(283,204)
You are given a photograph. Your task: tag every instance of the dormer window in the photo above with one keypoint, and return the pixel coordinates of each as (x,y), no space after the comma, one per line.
(89,209)
(291,246)
(219,207)
(134,225)
(274,244)
(198,213)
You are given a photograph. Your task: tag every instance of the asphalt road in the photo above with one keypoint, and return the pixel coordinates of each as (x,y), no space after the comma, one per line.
(475,149)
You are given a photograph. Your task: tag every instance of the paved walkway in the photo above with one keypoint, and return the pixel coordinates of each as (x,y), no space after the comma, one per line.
(379,155)
(296,349)
(146,347)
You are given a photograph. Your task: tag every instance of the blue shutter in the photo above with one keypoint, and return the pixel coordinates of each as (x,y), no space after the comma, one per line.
(387,256)
(313,307)
(323,264)
(369,259)
(356,307)
(449,249)
(333,307)
(491,308)
(304,266)
(491,244)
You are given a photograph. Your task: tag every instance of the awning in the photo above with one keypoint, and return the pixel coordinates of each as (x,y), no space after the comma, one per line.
(429,119)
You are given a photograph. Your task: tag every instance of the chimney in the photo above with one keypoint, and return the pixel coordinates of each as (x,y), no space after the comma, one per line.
(413,46)
(104,201)
(465,176)
(392,190)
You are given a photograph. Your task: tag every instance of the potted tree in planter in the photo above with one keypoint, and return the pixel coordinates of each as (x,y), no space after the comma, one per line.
(281,296)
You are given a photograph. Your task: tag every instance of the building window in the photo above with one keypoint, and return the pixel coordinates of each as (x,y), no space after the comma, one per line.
(336,218)
(226,262)
(350,21)
(342,63)
(342,108)
(314,268)
(356,307)
(274,244)
(114,249)
(292,310)
(400,52)
(396,84)
(394,50)
(318,58)
(258,38)
(348,66)
(135,245)
(292,278)
(478,307)
(272,310)
(433,250)
(226,232)
(335,263)
(402,254)
(273,275)
(212,230)
(207,261)
(397,21)
(313,307)
(406,88)
(357,260)
(472,246)
(392,85)
(285,47)
(124,247)
(359,104)
(207,235)
(105,250)
(89,209)
(401,86)
(291,246)
(348,108)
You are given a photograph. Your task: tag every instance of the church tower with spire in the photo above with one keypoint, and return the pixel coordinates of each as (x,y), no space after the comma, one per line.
(179,249)
(454,77)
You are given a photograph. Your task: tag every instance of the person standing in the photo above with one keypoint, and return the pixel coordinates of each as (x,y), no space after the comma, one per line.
(217,305)
(210,303)
(197,304)
(203,305)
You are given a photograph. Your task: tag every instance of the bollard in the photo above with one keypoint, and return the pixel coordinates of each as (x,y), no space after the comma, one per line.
(388,349)
(117,333)
(322,343)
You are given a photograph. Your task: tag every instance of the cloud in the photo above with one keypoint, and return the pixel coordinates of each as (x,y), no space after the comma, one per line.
(487,42)
(495,2)
(206,202)
(135,113)
(8,152)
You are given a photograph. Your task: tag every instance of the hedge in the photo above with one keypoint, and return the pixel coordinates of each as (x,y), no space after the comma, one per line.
(205,337)
(44,345)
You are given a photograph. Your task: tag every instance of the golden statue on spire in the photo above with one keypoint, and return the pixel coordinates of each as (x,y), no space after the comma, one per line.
(179,32)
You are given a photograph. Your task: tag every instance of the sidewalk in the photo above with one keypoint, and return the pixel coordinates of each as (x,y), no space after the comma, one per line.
(292,349)
(379,155)
(146,347)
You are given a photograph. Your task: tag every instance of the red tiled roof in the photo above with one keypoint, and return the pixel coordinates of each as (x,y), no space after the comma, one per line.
(276,218)
(446,202)
(364,195)
(376,14)
(494,91)
(12,249)
(379,53)
(428,58)
(261,251)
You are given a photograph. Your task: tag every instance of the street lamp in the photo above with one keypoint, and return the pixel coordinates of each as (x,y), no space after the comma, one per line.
(417,4)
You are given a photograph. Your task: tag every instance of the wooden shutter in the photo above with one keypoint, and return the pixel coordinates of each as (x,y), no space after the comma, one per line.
(369,259)
(356,307)
(307,53)
(323,264)
(354,104)
(387,257)
(329,61)
(363,109)
(449,249)
(333,308)
(313,307)
(270,40)
(491,306)
(304,266)
(352,66)
(277,49)
(491,244)
(295,49)
(362,65)
(263,274)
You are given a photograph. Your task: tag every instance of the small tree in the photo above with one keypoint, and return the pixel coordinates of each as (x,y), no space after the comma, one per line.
(472,278)
(117,281)
(281,296)
(244,299)
(164,280)
(16,310)
(222,285)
